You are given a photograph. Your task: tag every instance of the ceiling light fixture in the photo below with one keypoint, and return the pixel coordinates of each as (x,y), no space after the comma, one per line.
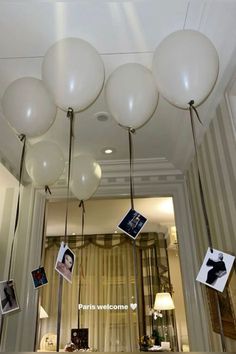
(108,150)
(102,116)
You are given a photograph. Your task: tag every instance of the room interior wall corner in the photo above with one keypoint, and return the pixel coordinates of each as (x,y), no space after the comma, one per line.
(19,328)
(217,160)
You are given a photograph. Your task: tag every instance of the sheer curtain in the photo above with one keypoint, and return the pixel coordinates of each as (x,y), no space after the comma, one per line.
(103,275)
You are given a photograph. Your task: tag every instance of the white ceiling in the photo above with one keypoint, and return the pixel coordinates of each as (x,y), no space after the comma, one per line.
(102,216)
(121,31)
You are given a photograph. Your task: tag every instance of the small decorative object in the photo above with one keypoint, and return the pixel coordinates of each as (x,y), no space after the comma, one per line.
(70,347)
(79,336)
(145,343)
(48,342)
(132,223)
(215,269)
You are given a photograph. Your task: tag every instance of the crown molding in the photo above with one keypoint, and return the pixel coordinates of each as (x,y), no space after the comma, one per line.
(147,174)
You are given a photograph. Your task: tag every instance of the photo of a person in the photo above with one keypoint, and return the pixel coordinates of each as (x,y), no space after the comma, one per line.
(39,277)
(8,299)
(65,262)
(215,269)
(132,223)
(218,269)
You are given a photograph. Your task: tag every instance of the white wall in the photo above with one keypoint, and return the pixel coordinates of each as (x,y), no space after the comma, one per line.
(217,157)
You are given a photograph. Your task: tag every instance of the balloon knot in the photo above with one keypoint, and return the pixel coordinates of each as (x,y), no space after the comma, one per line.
(21,137)
(191,103)
(132,130)
(70,112)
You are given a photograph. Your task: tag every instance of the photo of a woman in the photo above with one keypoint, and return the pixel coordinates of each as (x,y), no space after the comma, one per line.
(8,297)
(65,262)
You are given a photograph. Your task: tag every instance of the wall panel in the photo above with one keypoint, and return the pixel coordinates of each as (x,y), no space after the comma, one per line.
(217,163)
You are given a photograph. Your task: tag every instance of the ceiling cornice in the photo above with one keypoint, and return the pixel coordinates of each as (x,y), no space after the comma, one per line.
(147,173)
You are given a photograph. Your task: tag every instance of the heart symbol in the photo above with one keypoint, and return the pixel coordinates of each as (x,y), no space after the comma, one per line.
(133,306)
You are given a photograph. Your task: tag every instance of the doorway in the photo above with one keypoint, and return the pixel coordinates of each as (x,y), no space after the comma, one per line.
(101,219)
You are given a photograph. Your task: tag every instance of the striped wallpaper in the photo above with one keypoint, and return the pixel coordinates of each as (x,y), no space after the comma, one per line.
(217,160)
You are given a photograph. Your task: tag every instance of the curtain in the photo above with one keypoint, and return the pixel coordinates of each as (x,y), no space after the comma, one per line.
(105,274)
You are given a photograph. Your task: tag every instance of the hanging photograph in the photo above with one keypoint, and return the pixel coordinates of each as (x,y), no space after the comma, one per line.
(132,223)
(65,262)
(8,300)
(215,269)
(39,277)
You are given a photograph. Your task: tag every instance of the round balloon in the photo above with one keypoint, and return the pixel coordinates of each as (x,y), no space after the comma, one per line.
(185,67)
(131,95)
(85,176)
(28,106)
(73,72)
(44,162)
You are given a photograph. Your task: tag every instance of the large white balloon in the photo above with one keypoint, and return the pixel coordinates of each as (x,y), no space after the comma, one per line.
(131,95)
(74,73)
(185,67)
(85,176)
(28,106)
(44,162)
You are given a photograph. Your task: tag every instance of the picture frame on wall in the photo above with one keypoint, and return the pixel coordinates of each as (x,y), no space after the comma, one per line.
(227,302)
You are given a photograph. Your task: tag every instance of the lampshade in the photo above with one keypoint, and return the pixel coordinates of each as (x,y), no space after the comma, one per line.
(42,313)
(163,301)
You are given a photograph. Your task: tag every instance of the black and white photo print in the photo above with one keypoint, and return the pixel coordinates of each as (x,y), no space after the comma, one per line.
(215,269)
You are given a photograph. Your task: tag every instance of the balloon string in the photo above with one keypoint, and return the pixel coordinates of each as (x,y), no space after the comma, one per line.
(70,115)
(130,132)
(204,208)
(81,205)
(22,138)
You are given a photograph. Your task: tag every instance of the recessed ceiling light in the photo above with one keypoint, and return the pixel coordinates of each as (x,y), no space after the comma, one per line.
(108,150)
(102,116)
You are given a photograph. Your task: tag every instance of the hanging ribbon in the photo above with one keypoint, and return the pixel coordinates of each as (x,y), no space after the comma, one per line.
(191,109)
(204,209)
(22,138)
(70,115)
(131,183)
(81,271)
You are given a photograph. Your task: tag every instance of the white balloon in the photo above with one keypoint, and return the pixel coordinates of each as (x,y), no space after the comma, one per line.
(185,67)
(44,162)
(131,95)
(85,176)
(28,106)
(73,72)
